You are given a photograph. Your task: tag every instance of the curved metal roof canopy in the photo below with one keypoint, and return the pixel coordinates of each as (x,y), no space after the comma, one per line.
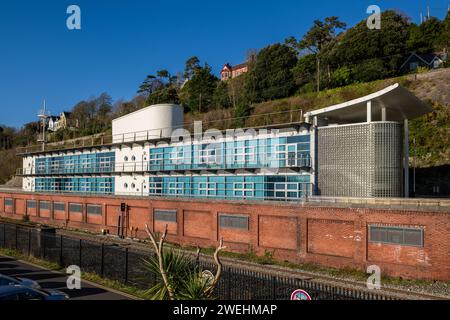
(399,103)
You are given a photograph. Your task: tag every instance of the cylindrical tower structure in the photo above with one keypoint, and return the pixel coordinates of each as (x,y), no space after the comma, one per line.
(153,122)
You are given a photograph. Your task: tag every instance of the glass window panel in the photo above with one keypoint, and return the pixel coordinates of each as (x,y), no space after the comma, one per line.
(31,204)
(233,221)
(94,209)
(165,215)
(44,205)
(395,236)
(413,237)
(76,207)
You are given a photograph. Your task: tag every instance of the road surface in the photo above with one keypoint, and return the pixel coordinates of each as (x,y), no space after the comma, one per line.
(56,280)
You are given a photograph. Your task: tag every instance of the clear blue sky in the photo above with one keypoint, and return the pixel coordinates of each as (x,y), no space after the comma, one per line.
(122,41)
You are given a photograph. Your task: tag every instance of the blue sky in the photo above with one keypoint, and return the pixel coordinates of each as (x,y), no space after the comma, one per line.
(122,41)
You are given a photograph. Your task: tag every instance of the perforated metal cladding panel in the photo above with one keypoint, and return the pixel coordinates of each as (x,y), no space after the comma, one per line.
(362,160)
(388,143)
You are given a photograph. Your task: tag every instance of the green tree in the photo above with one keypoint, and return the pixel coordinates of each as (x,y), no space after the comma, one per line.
(427,36)
(198,92)
(445,37)
(305,70)
(342,77)
(162,88)
(192,66)
(371,54)
(318,37)
(240,113)
(168,94)
(150,85)
(221,97)
(164,74)
(271,77)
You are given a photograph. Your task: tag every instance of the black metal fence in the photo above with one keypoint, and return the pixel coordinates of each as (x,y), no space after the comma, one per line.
(127,266)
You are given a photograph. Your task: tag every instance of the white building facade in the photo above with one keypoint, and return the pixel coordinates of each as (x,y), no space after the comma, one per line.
(152,155)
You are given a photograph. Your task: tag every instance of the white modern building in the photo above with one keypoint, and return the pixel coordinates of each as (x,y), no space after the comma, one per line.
(358,148)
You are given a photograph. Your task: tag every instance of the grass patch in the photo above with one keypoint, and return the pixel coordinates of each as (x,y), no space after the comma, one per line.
(116,285)
(20,256)
(347,273)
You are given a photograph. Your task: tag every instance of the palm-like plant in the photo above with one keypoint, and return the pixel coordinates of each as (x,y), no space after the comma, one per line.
(178,267)
(194,287)
(177,276)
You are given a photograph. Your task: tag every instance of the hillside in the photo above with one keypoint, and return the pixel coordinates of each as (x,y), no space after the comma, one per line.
(431,132)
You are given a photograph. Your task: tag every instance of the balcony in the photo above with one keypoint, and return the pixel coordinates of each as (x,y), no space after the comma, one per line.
(300,162)
(85,170)
(291,161)
(274,120)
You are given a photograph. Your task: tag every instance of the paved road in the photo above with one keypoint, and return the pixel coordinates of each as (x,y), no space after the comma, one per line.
(55,280)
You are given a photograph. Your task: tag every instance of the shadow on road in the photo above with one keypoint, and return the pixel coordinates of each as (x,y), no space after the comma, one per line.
(55,280)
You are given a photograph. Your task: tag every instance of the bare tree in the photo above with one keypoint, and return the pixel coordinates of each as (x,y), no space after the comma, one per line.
(159,252)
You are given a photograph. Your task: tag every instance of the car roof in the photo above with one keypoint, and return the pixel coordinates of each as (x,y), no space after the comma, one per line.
(7,277)
(6,290)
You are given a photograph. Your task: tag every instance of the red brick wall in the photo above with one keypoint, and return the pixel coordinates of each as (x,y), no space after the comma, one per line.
(20,206)
(198,224)
(329,236)
(278,232)
(44,213)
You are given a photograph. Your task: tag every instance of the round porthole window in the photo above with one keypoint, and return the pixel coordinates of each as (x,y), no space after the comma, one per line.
(133,158)
(125,185)
(133,186)
(125,158)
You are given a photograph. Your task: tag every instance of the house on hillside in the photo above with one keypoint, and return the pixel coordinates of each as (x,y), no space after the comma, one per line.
(428,60)
(66,121)
(230,72)
(63,121)
(52,123)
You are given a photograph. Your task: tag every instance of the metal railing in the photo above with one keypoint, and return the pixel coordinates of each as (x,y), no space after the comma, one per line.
(126,265)
(281,118)
(296,192)
(300,161)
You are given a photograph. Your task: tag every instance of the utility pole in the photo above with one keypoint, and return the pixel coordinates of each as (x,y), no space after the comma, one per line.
(43,115)
(318,74)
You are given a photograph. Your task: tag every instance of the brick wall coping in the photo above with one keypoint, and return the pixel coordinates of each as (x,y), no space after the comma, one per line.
(411,204)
